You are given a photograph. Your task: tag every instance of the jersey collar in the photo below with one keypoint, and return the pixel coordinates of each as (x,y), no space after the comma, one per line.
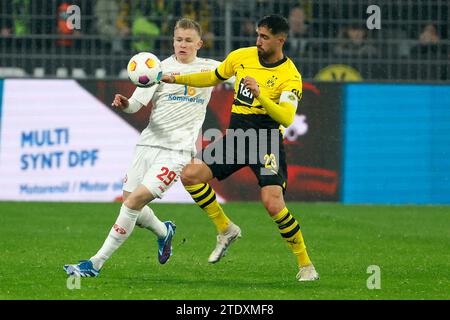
(272,65)
(184,64)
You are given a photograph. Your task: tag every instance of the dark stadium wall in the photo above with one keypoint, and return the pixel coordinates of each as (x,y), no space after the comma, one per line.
(105,91)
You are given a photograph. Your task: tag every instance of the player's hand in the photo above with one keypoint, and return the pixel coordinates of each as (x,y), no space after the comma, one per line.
(120,102)
(252,85)
(168,78)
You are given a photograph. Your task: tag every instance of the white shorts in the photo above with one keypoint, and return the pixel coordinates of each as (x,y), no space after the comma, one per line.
(156,168)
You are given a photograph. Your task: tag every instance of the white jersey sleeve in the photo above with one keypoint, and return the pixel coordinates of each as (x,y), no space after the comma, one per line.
(133,106)
(144,95)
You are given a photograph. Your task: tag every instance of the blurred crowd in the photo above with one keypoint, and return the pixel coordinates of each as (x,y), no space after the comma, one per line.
(112,30)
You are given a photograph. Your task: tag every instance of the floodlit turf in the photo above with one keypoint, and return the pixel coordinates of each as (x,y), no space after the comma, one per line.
(410,244)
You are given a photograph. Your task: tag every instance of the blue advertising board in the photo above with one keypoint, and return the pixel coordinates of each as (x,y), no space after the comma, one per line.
(396,144)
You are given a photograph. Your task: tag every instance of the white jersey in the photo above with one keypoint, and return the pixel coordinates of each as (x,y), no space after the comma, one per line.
(178,110)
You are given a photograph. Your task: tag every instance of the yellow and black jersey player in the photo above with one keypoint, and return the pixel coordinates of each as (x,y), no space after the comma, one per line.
(268,88)
(279,82)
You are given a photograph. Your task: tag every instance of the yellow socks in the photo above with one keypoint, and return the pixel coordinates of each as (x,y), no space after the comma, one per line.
(288,226)
(205,197)
(290,231)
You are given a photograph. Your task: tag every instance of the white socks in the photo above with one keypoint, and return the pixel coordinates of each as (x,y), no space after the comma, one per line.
(122,229)
(119,233)
(148,220)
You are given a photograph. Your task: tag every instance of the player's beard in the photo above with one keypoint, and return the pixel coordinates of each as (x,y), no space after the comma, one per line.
(264,54)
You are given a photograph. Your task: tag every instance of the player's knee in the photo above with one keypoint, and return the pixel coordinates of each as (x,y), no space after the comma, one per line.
(189,176)
(273,203)
(138,198)
(135,202)
(274,208)
(132,204)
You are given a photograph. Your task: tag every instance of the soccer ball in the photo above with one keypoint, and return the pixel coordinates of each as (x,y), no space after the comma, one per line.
(144,69)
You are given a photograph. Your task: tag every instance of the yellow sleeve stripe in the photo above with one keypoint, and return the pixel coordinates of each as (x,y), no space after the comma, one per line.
(219,76)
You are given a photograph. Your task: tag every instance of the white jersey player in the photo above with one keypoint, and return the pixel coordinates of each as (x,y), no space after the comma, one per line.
(164,148)
(168,142)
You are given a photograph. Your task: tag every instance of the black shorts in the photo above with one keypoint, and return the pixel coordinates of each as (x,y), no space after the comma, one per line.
(261,149)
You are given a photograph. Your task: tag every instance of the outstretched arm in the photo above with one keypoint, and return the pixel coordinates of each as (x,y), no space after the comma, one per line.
(199,79)
(126,105)
(140,98)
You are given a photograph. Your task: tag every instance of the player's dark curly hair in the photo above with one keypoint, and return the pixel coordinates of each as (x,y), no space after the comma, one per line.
(275,23)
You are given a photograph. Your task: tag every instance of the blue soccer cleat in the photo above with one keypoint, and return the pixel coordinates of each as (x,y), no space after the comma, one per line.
(84,269)
(165,245)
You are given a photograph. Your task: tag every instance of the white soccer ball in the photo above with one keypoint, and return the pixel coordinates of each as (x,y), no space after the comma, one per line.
(144,69)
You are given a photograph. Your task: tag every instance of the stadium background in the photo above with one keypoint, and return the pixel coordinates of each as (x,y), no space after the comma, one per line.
(385,142)
(347,144)
(373,128)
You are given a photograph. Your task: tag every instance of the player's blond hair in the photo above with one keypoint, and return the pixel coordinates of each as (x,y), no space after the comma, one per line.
(186,23)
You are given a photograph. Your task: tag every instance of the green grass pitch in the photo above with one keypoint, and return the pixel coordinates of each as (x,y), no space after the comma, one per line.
(410,244)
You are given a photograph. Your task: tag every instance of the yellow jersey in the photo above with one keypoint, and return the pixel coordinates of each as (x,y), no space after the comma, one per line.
(273,79)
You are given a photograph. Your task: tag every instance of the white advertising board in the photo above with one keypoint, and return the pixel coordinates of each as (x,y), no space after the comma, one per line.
(60,143)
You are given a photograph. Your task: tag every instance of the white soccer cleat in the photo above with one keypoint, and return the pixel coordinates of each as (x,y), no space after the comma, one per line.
(224,240)
(307,273)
